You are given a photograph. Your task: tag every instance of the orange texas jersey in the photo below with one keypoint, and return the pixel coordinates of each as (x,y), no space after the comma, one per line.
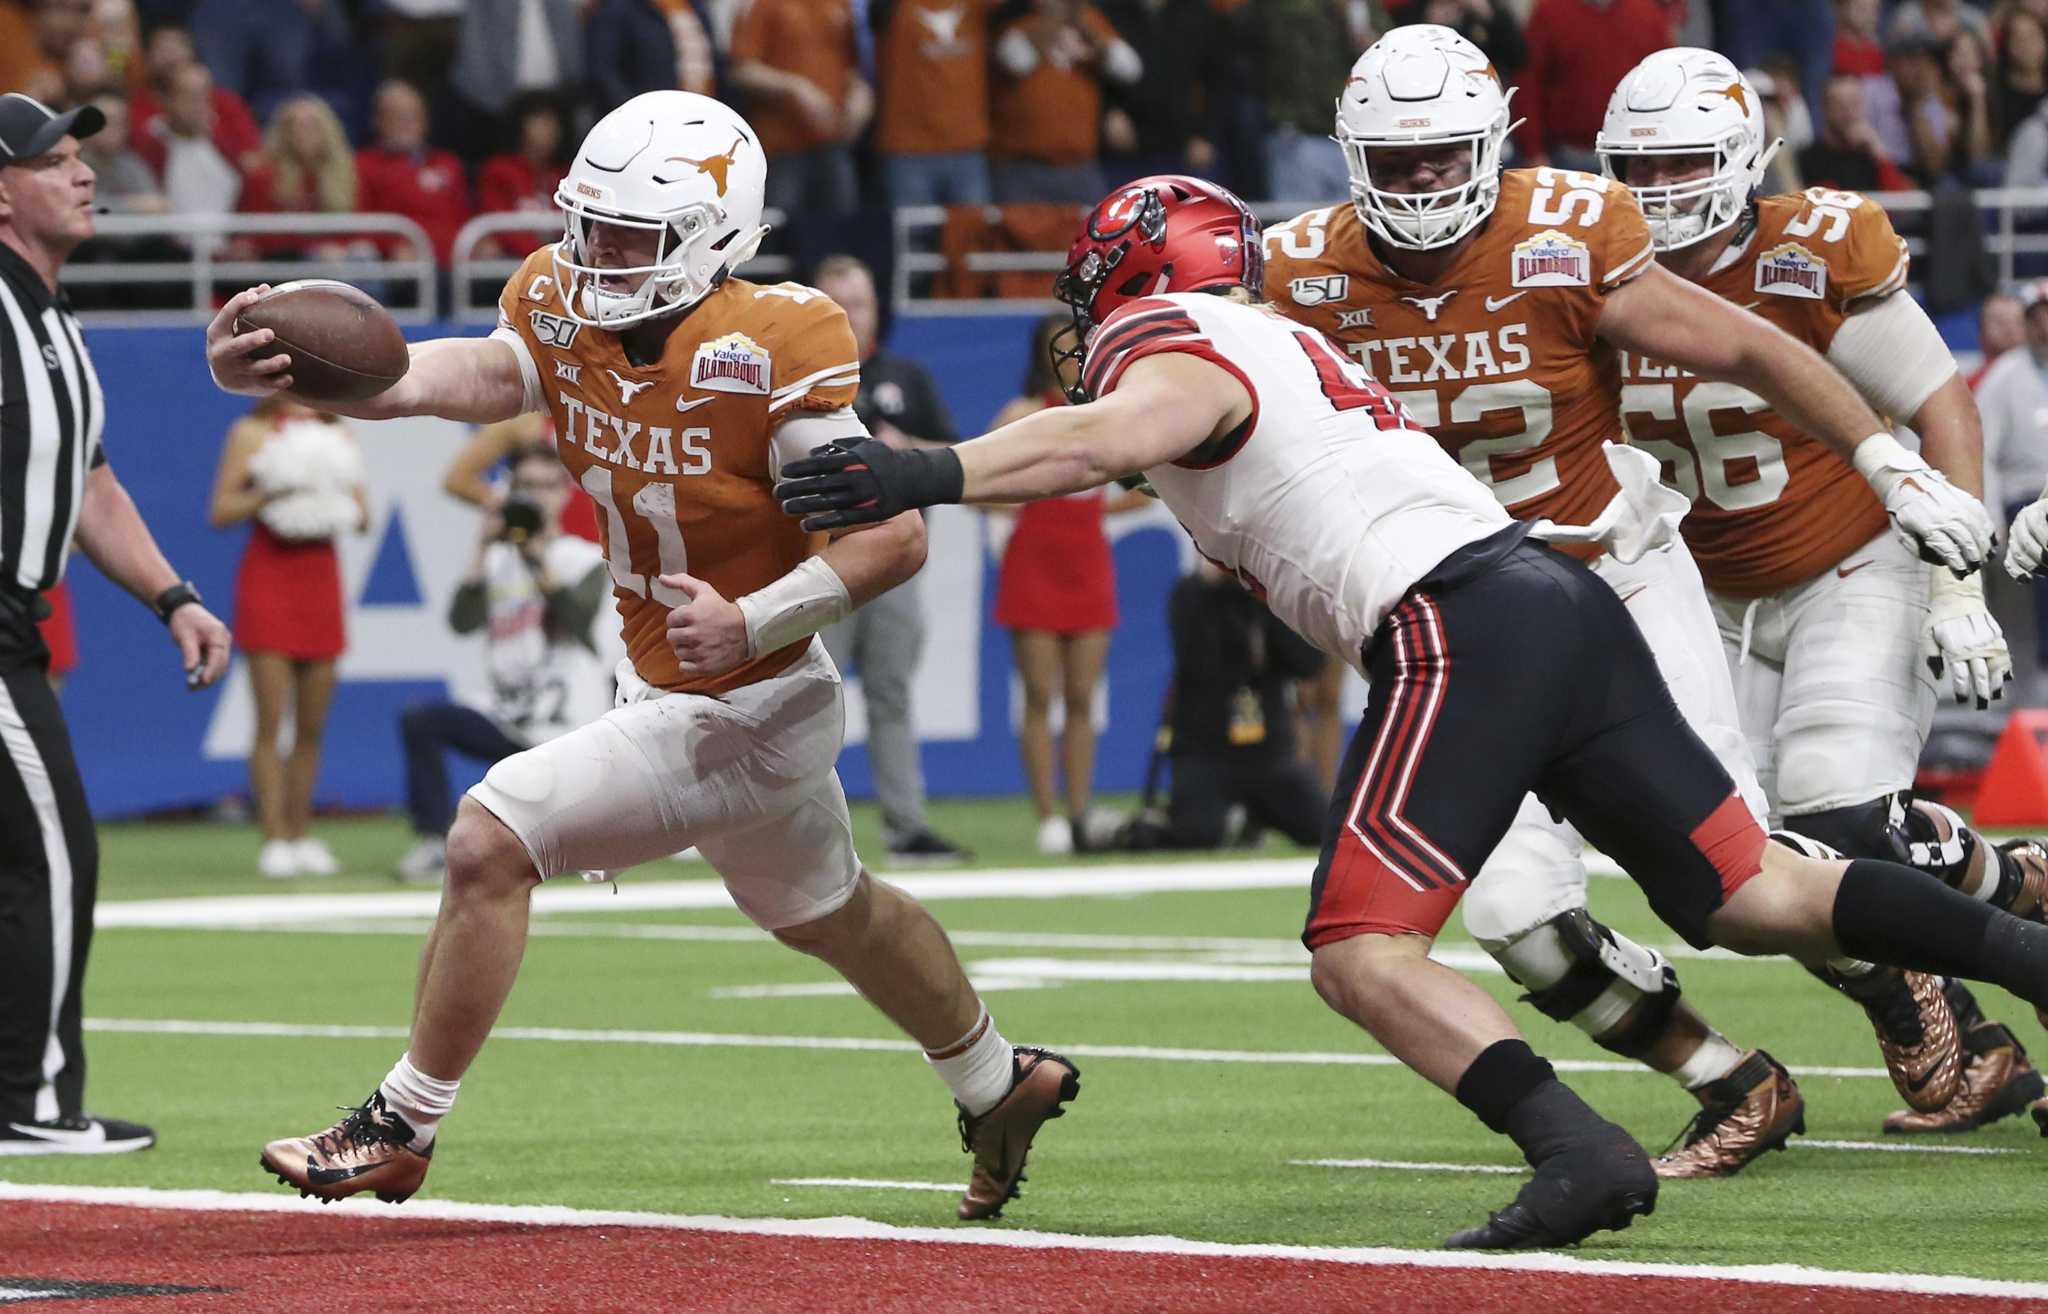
(1771,507)
(1499,359)
(676,454)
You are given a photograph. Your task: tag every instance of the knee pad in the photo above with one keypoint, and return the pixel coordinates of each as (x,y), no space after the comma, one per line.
(1920,827)
(1861,830)
(1608,986)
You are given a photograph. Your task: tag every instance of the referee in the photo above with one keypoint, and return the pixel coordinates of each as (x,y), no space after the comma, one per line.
(56,488)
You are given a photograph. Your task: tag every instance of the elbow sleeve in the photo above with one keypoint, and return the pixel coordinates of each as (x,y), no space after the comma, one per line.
(1893,354)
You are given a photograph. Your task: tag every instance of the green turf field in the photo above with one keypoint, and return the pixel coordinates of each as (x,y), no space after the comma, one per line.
(1181,1144)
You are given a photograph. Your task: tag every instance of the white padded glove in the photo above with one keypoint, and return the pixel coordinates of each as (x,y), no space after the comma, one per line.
(1939,521)
(1963,640)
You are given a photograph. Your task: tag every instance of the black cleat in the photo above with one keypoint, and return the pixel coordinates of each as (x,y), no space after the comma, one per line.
(1596,1186)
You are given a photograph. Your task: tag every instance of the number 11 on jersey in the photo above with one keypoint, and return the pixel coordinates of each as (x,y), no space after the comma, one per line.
(654,505)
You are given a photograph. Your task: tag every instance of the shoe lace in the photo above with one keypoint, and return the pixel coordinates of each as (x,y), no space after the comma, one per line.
(362,1127)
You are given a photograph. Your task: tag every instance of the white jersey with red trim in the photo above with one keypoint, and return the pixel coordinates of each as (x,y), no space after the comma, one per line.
(1329,502)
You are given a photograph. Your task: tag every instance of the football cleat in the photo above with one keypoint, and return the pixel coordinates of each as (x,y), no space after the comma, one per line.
(369,1150)
(1000,1138)
(1594,1186)
(2031,857)
(1744,1115)
(1916,1032)
(1998,1081)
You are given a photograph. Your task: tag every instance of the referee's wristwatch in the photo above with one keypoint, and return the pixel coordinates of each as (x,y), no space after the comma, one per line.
(174,597)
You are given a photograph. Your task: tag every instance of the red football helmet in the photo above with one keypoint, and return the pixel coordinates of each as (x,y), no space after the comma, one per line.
(1166,233)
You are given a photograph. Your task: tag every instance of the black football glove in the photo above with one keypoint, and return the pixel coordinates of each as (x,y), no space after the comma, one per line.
(860,483)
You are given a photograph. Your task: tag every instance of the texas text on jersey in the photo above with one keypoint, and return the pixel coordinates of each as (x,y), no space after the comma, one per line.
(678,454)
(1771,507)
(1500,359)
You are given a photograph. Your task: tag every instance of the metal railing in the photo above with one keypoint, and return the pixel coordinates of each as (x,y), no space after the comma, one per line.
(205,275)
(2016,236)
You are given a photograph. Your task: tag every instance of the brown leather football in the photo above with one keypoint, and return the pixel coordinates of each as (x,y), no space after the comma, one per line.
(344,346)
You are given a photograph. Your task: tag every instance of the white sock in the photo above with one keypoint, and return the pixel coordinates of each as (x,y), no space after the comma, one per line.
(1713,1060)
(419,1099)
(977,1067)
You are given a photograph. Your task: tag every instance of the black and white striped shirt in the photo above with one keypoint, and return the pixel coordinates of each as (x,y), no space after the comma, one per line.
(51,415)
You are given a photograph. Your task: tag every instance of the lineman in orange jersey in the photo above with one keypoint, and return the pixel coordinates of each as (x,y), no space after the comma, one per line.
(677,391)
(1830,624)
(1492,303)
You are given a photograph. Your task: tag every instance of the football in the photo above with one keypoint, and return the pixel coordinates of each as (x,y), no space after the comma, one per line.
(344,346)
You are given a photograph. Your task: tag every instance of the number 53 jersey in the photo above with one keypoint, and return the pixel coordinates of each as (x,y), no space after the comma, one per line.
(680,454)
(1500,358)
(1771,507)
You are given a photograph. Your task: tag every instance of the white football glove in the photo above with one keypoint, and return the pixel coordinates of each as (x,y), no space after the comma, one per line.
(1964,640)
(2027,544)
(1936,519)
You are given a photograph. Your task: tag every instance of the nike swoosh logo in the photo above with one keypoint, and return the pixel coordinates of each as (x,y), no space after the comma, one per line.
(319,1176)
(682,405)
(1631,593)
(93,1135)
(1843,572)
(1925,1077)
(1495,303)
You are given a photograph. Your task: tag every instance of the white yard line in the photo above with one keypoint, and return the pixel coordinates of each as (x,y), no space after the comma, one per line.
(1797,1143)
(867,1183)
(1897,1147)
(860,1229)
(741,1040)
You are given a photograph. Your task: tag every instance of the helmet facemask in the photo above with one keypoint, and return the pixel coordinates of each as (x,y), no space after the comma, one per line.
(1424,221)
(690,259)
(1681,214)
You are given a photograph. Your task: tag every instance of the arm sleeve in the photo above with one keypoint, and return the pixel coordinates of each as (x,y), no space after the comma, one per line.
(799,434)
(1893,354)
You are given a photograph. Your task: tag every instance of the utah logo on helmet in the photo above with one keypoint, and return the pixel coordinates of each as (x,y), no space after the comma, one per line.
(1682,103)
(682,166)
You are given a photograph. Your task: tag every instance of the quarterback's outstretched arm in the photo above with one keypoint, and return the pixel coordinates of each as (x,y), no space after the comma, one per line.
(474,380)
(1666,318)
(1164,407)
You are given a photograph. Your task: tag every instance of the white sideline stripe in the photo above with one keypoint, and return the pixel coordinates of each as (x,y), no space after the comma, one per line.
(866,1183)
(574,896)
(741,1040)
(861,1229)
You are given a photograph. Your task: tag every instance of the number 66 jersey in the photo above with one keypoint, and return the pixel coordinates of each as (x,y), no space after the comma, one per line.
(680,454)
(1771,507)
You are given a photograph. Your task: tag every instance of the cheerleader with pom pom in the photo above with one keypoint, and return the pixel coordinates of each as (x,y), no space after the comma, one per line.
(298,476)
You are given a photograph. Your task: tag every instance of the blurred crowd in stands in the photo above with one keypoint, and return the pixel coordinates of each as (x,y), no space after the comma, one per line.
(442,109)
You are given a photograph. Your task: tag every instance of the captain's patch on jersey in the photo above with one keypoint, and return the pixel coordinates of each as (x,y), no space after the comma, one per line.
(733,363)
(1552,259)
(1319,289)
(1790,270)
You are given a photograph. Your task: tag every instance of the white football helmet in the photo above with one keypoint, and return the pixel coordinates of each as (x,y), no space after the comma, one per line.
(1420,85)
(670,162)
(1686,101)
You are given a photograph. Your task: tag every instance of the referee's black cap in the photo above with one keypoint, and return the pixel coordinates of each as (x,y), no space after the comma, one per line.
(29,128)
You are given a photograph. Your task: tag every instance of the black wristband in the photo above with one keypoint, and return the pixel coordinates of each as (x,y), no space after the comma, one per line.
(174,597)
(932,476)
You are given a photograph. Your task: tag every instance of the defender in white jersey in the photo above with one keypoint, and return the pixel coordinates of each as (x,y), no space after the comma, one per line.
(1498,667)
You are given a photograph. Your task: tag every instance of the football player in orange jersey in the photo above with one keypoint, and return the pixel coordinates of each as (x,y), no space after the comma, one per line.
(1830,624)
(1493,304)
(676,391)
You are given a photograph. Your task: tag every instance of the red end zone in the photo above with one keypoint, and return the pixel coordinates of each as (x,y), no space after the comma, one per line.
(291,1262)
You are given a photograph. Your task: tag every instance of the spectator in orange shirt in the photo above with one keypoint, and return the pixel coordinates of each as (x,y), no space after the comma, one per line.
(399,173)
(799,63)
(305,167)
(525,179)
(35,39)
(1050,69)
(932,73)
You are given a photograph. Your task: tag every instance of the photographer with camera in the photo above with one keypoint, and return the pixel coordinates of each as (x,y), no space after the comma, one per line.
(1230,722)
(535,592)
